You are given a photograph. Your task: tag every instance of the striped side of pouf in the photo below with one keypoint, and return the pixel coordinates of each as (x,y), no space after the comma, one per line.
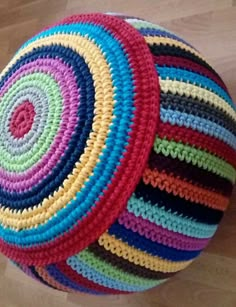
(184,187)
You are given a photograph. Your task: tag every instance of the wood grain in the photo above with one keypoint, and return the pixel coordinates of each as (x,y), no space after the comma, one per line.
(209,25)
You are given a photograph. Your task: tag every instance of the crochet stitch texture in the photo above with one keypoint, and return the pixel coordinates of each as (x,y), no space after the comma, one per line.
(117,154)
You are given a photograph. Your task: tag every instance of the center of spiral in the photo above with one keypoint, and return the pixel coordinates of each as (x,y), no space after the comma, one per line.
(22,119)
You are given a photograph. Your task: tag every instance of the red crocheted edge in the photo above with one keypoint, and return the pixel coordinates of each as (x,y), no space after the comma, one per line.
(128,174)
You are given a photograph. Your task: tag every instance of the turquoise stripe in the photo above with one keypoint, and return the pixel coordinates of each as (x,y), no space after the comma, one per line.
(193,78)
(111,154)
(200,124)
(82,268)
(168,220)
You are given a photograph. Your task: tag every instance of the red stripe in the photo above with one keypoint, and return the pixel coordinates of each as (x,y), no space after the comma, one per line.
(187,64)
(104,213)
(199,140)
(82,281)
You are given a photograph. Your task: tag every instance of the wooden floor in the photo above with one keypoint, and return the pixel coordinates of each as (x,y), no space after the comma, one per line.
(211,26)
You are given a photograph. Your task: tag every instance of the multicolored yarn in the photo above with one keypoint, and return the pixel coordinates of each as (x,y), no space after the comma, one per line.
(117,154)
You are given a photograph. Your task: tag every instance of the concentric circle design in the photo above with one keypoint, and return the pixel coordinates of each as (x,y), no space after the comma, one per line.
(117,154)
(91,113)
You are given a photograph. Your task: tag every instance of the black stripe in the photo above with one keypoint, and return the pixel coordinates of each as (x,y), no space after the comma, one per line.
(125,265)
(178,205)
(197,108)
(161,49)
(193,174)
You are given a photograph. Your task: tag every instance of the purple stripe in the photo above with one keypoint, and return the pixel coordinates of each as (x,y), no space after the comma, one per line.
(69,118)
(27,271)
(159,234)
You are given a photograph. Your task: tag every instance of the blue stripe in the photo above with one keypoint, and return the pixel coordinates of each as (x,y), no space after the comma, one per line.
(200,124)
(193,78)
(111,154)
(162,33)
(82,268)
(146,245)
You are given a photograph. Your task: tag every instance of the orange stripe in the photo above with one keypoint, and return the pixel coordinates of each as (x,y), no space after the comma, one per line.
(185,189)
(45,276)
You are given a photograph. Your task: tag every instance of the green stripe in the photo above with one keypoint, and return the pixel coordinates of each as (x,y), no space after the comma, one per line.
(110,271)
(197,157)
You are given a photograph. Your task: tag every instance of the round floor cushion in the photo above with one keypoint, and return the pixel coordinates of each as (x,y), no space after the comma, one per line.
(117,154)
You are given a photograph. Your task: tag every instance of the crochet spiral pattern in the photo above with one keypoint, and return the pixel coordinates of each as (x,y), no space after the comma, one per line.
(117,154)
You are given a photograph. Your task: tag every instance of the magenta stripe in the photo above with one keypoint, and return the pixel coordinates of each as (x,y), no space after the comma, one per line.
(159,234)
(70,93)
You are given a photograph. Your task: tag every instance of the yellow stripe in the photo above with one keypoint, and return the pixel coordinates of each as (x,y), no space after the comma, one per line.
(169,41)
(194,91)
(102,120)
(138,257)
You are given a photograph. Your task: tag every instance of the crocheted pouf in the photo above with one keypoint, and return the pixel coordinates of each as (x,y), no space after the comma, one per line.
(117,154)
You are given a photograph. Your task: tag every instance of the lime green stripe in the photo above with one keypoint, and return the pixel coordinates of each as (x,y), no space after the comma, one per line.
(29,158)
(110,271)
(195,156)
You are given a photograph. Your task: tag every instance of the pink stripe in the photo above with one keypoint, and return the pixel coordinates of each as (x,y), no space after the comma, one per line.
(159,234)
(70,93)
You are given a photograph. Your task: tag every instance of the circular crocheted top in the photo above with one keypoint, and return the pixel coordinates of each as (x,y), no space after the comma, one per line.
(79,108)
(101,118)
